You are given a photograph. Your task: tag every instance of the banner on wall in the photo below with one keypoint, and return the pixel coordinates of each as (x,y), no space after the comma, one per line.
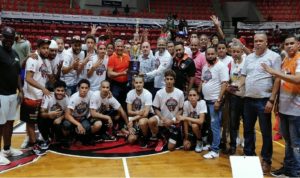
(94,19)
(268,25)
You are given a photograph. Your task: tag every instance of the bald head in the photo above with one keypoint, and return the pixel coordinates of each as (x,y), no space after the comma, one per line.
(260,43)
(146,48)
(194,45)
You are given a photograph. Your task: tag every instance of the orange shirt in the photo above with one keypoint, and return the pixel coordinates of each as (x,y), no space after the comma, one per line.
(289,66)
(119,64)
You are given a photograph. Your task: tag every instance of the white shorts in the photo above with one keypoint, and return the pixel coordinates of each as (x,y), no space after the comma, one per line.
(9,108)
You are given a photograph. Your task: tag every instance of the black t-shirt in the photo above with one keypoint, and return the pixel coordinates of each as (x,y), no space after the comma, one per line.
(9,71)
(183,69)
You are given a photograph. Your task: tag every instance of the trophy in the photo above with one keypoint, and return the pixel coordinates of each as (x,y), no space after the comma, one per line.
(134,65)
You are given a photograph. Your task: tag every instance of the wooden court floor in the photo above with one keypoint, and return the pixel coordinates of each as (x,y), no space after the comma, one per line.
(171,164)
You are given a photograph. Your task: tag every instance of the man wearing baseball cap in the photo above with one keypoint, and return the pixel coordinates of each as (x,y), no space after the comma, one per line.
(70,67)
(10,81)
(37,74)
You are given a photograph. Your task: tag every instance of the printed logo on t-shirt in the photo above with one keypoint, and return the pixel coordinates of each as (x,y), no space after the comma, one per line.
(183,65)
(193,114)
(207,76)
(102,108)
(137,104)
(81,108)
(55,107)
(171,104)
(157,63)
(44,70)
(100,70)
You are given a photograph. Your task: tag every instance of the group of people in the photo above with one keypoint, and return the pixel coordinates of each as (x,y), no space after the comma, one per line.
(191,93)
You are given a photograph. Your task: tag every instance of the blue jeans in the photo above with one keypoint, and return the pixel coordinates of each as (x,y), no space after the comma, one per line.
(254,108)
(236,111)
(215,124)
(290,130)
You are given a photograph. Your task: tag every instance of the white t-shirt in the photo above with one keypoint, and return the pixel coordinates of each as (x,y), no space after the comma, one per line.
(235,76)
(41,69)
(52,104)
(72,78)
(55,62)
(188,51)
(99,74)
(163,62)
(194,112)
(226,60)
(80,106)
(139,101)
(169,103)
(212,78)
(259,83)
(103,104)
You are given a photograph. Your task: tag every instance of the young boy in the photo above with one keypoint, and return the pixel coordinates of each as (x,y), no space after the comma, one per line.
(139,105)
(168,103)
(77,116)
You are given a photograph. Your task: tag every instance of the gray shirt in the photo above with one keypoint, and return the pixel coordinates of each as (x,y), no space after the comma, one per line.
(22,48)
(259,83)
(147,64)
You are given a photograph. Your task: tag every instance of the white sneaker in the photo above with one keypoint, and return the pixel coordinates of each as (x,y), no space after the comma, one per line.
(238,141)
(199,147)
(11,152)
(206,147)
(3,161)
(211,155)
(24,145)
(242,142)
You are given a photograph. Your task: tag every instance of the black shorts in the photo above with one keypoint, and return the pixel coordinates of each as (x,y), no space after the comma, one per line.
(30,110)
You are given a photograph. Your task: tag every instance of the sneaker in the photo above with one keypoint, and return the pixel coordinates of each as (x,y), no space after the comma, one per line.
(123,133)
(266,167)
(278,172)
(160,145)
(242,142)
(199,147)
(153,138)
(44,145)
(108,138)
(38,151)
(206,147)
(277,137)
(11,152)
(3,160)
(211,155)
(25,145)
(143,142)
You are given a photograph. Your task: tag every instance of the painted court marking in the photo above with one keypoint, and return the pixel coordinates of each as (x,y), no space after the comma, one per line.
(125,168)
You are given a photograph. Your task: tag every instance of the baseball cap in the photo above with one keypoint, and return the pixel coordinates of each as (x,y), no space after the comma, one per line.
(53,45)
(43,40)
(76,39)
(8,31)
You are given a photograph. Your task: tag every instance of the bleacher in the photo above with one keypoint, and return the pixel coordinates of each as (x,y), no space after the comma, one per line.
(278,10)
(53,6)
(185,9)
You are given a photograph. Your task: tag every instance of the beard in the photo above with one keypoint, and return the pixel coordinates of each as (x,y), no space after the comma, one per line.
(179,55)
(211,61)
